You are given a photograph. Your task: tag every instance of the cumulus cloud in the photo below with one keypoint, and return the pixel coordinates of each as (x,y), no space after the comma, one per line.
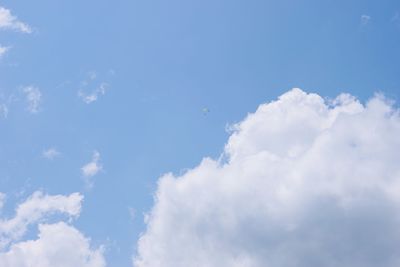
(51,153)
(58,244)
(33,97)
(10,22)
(34,209)
(302,182)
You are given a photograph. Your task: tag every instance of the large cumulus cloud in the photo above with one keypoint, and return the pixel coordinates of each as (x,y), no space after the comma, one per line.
(303,182)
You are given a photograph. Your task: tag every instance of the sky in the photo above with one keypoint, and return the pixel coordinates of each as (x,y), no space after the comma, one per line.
(209,133)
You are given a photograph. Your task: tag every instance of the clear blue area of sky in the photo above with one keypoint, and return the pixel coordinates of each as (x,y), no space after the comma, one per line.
(165,61)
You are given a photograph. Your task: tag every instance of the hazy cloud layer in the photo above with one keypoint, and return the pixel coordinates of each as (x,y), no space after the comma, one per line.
(303,182)
(58,244)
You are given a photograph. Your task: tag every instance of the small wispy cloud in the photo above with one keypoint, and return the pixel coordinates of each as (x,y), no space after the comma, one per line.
(3,50)
(94,95)
(51,153)
(5,103)
(3,111)
(365,20)
(90,89)
(11,22)
(91,169)
(33,97)
(92,75)
(396,18)
(132,213)
(2,200)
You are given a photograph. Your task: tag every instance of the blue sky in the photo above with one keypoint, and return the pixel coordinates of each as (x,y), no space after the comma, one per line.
(148,69)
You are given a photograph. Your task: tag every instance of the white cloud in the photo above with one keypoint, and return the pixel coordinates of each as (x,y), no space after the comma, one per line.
(94,95)
(3,50)
(91,90)
(10,22)
(5,103)
(58,244)
(51,153)
(365,20)
(91,169)
(3,111)
(33,97)
(303,182)
(2,200)
(37,207)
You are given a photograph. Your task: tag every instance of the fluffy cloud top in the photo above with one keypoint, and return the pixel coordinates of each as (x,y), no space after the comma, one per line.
(58,244)
(8,21)
(303,182)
